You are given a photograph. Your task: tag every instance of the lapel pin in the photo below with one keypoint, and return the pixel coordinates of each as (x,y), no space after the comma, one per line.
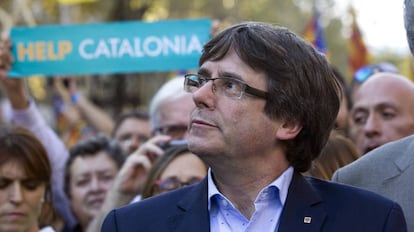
(307,220)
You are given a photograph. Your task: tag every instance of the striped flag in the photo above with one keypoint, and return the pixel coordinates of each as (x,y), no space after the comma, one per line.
(358,55)
(313,32)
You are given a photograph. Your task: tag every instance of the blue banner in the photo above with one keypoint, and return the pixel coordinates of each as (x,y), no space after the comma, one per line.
(125,47)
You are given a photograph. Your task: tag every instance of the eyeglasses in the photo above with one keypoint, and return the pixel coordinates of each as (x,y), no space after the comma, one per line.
(362,74)
(231,87)
(128,139)
(172,183)
(175,131)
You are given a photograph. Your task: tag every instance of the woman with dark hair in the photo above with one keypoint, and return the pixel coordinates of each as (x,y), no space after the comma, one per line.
(89,174)
(25,177)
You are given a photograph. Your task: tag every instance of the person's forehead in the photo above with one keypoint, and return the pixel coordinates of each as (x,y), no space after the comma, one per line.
(384,89)
(232,63)
(386,79)
(100,160)
(131,125)
(379,100)
(12,170)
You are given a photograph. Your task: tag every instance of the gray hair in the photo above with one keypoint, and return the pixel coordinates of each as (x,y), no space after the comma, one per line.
(409,23)
(171,90)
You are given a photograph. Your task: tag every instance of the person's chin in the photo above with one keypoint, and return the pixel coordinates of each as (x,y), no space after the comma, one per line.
(96,205)
(10,226)
(195,142)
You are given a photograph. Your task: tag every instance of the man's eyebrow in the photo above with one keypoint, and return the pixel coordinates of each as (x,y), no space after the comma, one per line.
(230,74)
(358,110)
(380,106)
(204,72)
(386,105)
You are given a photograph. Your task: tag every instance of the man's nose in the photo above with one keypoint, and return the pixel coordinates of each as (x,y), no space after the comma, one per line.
(372,126)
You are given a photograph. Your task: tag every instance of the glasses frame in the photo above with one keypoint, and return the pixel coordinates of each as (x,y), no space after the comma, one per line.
(245,87)
(167,129)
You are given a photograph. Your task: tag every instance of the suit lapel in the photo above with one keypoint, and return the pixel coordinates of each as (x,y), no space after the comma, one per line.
(192,211)
(303,210)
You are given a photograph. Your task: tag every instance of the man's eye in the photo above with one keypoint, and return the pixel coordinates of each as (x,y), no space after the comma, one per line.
(125,137)
(388,115)
(359,119)
(82,182)
(194,83)
(230,84)
(107,177)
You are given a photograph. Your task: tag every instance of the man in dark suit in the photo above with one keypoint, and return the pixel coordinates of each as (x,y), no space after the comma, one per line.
(389,169)
(266,102)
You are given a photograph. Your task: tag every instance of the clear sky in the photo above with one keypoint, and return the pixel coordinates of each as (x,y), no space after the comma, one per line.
(381,22)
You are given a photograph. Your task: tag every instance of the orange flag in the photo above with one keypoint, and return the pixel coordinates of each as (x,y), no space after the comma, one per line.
(358,55)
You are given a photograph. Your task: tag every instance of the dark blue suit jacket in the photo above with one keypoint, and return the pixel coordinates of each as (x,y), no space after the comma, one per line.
(332,208)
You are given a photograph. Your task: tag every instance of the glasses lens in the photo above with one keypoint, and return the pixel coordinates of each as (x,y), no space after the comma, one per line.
(191,83)
(174,183)
(175,131)
(167,185)
(230,87)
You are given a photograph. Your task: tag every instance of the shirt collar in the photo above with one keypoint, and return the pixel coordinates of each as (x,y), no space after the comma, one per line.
(281,183)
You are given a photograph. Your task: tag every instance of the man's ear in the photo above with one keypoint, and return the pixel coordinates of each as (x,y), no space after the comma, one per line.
(288,130)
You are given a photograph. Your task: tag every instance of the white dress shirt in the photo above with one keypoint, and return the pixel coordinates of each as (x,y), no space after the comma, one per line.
(224,217)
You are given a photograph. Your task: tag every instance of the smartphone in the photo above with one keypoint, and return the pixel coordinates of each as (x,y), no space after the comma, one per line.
(173,143)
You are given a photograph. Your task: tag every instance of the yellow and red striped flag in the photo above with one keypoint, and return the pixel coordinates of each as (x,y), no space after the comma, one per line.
(358,55)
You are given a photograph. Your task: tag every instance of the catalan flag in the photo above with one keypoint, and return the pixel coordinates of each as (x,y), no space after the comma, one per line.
(358,55)
(313,32)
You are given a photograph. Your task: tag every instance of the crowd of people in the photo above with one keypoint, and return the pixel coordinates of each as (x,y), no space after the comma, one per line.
(267,135)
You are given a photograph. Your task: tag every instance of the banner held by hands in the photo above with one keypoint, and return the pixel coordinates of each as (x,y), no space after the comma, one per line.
(123,47)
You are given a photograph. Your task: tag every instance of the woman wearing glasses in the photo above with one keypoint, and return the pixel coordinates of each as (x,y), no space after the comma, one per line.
(178,167)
